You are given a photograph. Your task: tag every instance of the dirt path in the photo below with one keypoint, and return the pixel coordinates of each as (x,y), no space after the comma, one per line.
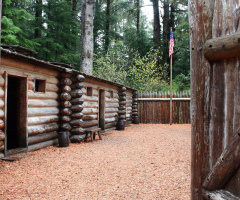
(142,162)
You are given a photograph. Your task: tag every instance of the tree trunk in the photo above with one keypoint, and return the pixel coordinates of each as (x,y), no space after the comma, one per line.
(138,15)
(107,39)
(38,16)
(156,25)
(166,32)
(87,36)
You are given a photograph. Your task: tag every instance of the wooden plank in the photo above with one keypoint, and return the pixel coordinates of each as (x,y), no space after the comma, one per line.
(40,129)
(41,138)
(32,112)
(42,103)
(227,164)
(219,195)
(42,120)
(41,145)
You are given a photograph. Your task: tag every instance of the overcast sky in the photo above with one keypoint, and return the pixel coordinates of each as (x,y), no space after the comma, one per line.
(148,10)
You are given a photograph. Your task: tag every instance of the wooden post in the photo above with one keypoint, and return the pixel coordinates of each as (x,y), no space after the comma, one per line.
(170,87)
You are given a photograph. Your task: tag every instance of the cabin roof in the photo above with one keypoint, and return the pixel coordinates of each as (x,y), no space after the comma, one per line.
(56,66)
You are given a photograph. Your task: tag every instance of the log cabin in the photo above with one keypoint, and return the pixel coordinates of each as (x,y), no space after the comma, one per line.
(39,100)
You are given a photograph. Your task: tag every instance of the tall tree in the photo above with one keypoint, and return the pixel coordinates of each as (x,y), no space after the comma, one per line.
(156,25)
(87,36)
(38,18)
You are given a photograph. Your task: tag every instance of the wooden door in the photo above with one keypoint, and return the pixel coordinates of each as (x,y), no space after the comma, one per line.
(215,98)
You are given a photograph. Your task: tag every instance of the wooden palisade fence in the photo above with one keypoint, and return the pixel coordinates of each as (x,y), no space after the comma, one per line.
(154,107)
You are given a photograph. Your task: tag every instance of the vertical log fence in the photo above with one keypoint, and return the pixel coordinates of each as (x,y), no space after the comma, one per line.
(154,107)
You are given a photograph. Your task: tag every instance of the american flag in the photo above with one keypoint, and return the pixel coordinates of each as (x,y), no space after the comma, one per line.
(171,44)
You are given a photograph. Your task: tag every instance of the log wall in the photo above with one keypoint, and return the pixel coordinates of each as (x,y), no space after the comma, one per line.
(43,107)
(111,109)
(129,101)
(2,134)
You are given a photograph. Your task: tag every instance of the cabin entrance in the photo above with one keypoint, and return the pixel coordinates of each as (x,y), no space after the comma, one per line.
(16,115)
(101,106)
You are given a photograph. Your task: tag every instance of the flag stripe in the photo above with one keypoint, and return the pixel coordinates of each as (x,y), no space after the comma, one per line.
(171,44)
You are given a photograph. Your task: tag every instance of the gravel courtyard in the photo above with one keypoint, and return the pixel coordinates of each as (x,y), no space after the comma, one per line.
(142,162)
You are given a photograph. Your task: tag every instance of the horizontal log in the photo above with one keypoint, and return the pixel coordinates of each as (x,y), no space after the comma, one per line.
(110,115)
(77,108)
(65,119)
(1,124)
(122,112)
(1,143)
(122,107)
(111,110)
(41,138)
(163,99)
(1,93)
(123,89)
(41,145)
(32,112)
(66,111)
(65,127)
(66,88)
(134,113)
(122,94)
(89,117)
(1,103)
(122,117)
(219,195)
(90,111)
(77,86)
(76,93)
(134,110)
(122,103)
(135,103)
(122,99)
(109,120)
(66,104)
(110,125)
(42,95)
(49,79)
(77,138)
(2,135)
(109,100)
(91,123)
(65,96)
(1,113)
(77,131)
(31,85)
(40,129)
(76,122)
(222,47)
(135,106)
(2,148)
(112,105)
(42,120)
(42,103)
(128,115)
(78,115)
(225,167)
(52,88)
(78,78)
(2,82)
(90,98)
(1,155)
(66,81)
(77,101)
(90,105)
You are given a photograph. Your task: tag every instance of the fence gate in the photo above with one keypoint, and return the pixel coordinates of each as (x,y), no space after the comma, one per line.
(215,98)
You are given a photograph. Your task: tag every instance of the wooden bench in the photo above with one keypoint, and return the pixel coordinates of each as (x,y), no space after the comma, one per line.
(92,132)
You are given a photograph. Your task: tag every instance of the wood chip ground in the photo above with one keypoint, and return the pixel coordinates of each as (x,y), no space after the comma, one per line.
(142,162)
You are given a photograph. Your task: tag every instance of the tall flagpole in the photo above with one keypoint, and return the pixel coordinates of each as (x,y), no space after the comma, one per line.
(171,86)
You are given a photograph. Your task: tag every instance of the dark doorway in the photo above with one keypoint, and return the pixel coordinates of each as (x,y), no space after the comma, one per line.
(16,112)
(102,109)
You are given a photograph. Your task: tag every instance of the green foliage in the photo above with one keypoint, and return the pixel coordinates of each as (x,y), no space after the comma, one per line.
(182,53)
(146,74)
(15,22)
(180,83)
(111,66)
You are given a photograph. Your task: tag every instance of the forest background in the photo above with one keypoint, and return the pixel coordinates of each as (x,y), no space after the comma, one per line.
(127,48)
